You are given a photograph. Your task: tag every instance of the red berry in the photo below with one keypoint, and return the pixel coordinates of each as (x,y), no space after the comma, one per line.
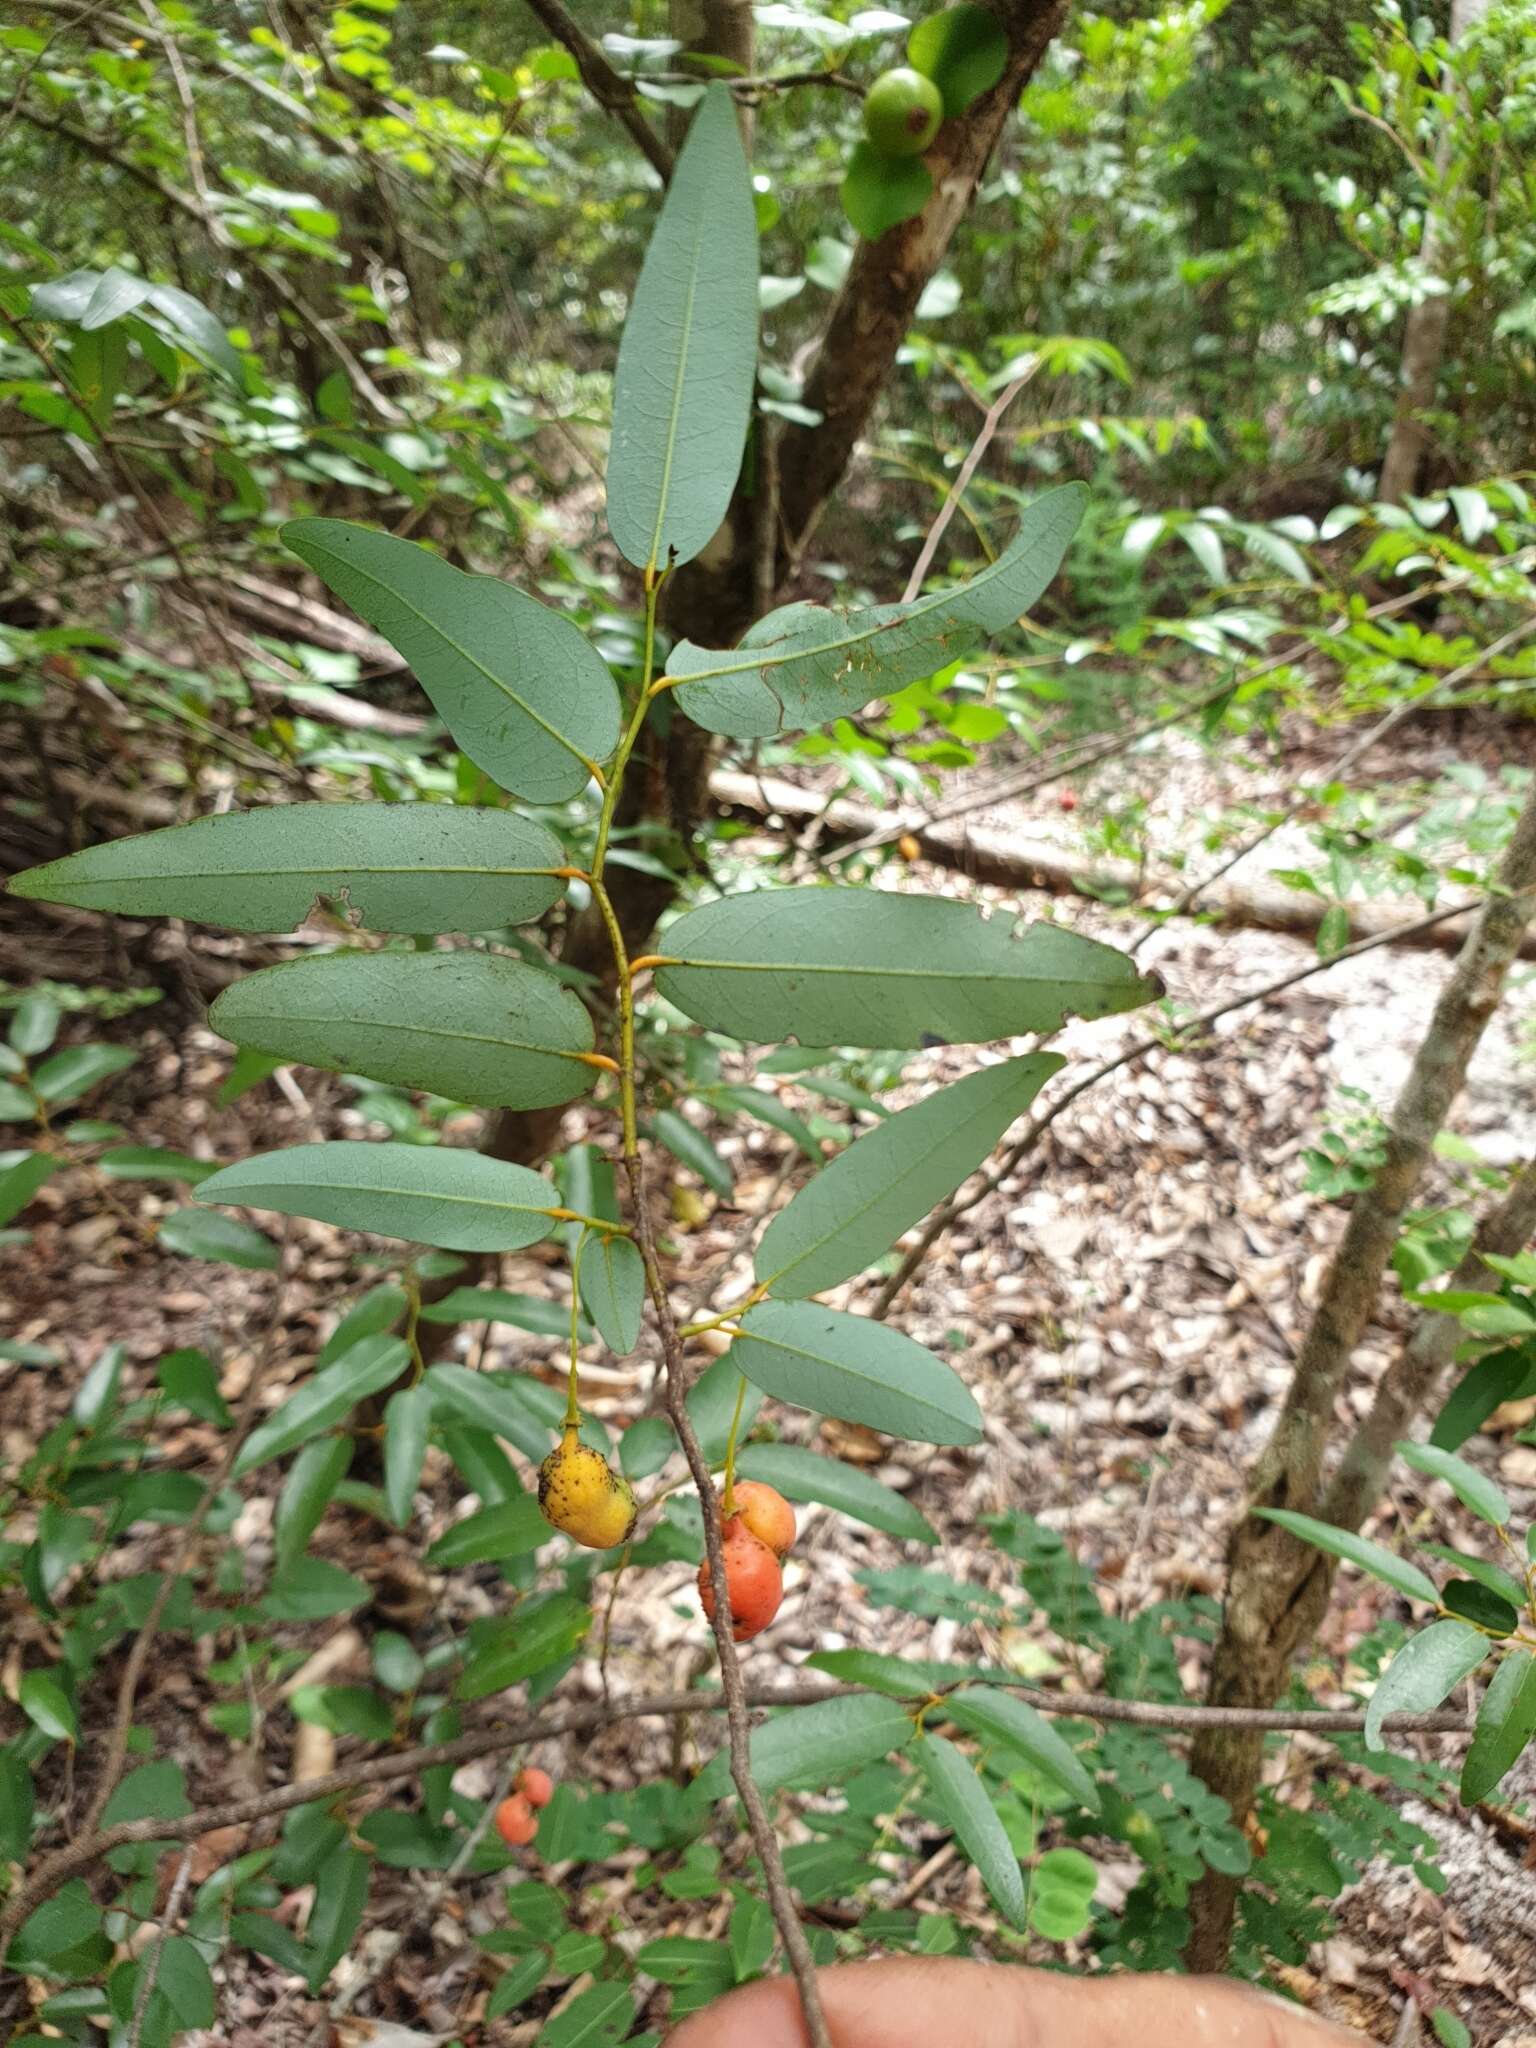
(766,1513)
(536,1786)
(516,1822)
(1068,799)
(752,1579)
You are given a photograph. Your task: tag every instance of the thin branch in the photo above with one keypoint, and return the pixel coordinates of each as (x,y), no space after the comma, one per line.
(613,93)
(994,1177)
(957,489)
(81,1853)
(151,1969)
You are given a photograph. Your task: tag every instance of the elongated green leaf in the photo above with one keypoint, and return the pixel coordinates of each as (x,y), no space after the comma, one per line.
(817,1745)
(525,695)
(689,1145)
(79,1068)
(19,1183)
(381,1308)
(545,1318)
(682,390)
(613,1289)
(977,1828)
(399,867)
(1428,1667)
(990,1712)
(599,2018)
(540,1633)
(46,1704)
(804,666)
(461,1201)
(1371,1557)
(886,1181)
(861,967)
(477,1027)
(512,1528)
(802,1475)
(899,1678)
(309,1490)
(859,1370)
(223,1239)
(341,1893)
(1508,1375)
(1506,1721)
(492,1401)
(323,1401)
(407,1420)
(1493,1576)
(1471,1487)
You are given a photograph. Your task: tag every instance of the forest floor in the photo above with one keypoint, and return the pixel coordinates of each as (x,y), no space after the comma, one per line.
(1125,1307)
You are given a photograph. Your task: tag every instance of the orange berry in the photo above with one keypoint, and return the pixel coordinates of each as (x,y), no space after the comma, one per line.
(516,1822)
(752,1579)
(536,1786)
(908,847)
(766,1513)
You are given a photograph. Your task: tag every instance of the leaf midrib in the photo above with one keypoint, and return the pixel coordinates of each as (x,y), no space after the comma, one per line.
(426,1031)
(854,1372)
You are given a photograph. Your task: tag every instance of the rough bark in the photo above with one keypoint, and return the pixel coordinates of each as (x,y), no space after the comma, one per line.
(1428,322)
(1269,1571)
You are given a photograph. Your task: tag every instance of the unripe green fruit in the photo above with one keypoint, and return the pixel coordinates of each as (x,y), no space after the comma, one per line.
(903,112)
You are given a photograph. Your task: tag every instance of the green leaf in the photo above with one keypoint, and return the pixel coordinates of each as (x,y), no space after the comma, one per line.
(64,1937)
(1061,1900)
(751,1936)
(1506,1721)
(1427,1668)
(963,50)
(599,2018)
(224,1240)
(1508,1375)
(517,1983)
(533,1312)
(513,1528)
(1470,1487)
(462,1201)
(313,1589)
(193,328)
(96,1392)
(308,1491)
(34,1025)
(185,1982)
(18,1804)
(816,1746)
(541,1632)
(855,1369)
(476,1027)
(397,1663)
(407,1420)
(886,1181)
(1493,1576)
(398,867)
(997,1716)
(802,1475)
(341,1893)
(879,192)
(524,693)
(73,1073)
(190,1380)
(153,1162)
(19,1183)
(692,1149)
(977,1828)
(380,1309)
(325,1400)
(345,1710)
(835,966)
(1359,1550)
(613,1290)
(493,1401)
(803,666)
(646,1446)
(1475,1602)
(682,389)
(16,1105)
(156,1791)
(46,1705)
(1451,2031)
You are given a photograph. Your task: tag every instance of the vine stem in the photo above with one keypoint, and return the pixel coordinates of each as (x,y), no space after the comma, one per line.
(780,1898)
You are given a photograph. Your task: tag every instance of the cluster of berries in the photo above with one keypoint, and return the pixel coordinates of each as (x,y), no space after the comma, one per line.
(753,1541)
(516,1821)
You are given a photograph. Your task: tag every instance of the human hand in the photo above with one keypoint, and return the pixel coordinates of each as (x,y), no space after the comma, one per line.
(935,2003)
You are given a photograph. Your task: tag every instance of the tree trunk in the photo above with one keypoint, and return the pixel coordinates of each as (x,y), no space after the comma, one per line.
(1428,322)
(1274,1581)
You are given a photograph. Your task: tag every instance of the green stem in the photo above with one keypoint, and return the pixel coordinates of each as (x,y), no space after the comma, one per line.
(728,1504)
(573,1382)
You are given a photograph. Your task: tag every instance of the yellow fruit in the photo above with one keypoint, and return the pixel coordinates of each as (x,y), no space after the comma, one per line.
(583,1497)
